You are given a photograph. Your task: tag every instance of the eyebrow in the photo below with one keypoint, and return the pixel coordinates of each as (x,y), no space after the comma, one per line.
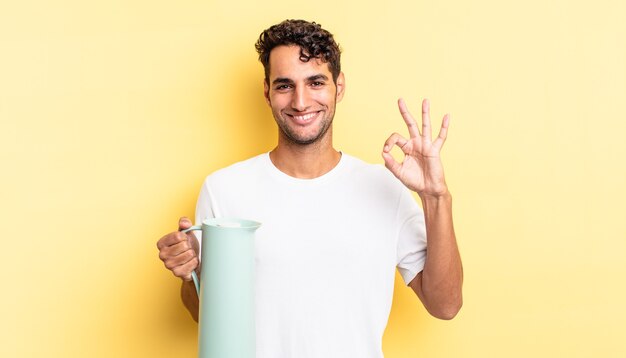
(282,80)
(317,77)
(309,79)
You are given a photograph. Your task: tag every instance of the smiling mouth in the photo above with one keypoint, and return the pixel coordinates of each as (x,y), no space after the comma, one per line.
(304,118)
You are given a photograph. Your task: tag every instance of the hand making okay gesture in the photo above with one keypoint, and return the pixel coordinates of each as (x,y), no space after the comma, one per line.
(421,170)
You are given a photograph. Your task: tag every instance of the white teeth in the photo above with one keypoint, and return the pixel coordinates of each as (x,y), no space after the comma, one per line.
(306,117)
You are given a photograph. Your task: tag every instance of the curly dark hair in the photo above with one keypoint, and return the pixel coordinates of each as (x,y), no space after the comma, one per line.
(313,40)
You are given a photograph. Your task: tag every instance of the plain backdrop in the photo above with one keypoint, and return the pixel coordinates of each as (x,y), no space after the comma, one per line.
(113,112)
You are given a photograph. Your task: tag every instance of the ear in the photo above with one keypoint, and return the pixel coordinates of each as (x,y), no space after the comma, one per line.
(341,86)
(266,92)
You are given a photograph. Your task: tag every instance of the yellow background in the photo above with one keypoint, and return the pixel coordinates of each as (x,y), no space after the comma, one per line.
(113,112)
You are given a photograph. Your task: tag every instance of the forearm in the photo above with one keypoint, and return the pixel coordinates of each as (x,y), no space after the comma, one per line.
(190,298)
(442,277)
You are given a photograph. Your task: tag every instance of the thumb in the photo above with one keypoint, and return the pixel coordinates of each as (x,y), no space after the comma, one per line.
(391,164)
(184,223)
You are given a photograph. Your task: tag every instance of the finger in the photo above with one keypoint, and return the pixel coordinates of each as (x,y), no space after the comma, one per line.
(408,119)
(178,260)
(170,239)
(426,131)
(391,164)
(443,132)
(395,139)
(169,252)
(184,223)
(193,241)
(184,271)
(175,250)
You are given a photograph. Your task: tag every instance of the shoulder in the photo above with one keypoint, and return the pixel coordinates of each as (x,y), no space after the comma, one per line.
(238,172)
(372,176)
(369,171)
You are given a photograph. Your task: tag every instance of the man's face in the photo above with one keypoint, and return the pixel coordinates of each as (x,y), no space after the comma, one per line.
(302,95)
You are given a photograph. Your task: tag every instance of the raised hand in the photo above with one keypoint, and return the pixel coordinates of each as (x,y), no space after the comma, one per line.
(421,170)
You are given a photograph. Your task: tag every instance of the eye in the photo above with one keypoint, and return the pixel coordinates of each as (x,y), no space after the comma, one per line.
(283,87)
(317,84)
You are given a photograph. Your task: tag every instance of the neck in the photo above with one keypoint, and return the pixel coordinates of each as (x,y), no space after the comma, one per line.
(305,161)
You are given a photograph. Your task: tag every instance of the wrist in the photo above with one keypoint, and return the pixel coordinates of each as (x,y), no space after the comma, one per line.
(434,203)
(438,196)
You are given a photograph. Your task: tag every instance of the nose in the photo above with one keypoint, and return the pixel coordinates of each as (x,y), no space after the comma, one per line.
(300,100)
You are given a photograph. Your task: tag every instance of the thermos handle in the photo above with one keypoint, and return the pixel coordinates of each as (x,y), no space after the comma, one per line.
(194,276)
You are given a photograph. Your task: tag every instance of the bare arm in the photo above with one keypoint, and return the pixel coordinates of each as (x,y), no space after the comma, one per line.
(439,285)
(190,298)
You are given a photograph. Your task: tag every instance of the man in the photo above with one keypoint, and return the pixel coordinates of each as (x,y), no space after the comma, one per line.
(334,228)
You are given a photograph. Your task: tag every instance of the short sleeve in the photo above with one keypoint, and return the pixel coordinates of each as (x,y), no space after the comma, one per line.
(204,208)
(411,249)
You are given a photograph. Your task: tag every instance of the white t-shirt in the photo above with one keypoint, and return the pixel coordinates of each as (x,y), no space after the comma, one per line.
(326,252)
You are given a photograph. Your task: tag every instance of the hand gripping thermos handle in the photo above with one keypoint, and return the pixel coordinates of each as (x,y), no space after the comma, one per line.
(194,276)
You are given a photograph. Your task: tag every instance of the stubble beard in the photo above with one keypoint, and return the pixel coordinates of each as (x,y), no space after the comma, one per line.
(295,138)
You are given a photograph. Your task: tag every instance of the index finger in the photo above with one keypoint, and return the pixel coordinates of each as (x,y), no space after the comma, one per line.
(170,239)
(408,119)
